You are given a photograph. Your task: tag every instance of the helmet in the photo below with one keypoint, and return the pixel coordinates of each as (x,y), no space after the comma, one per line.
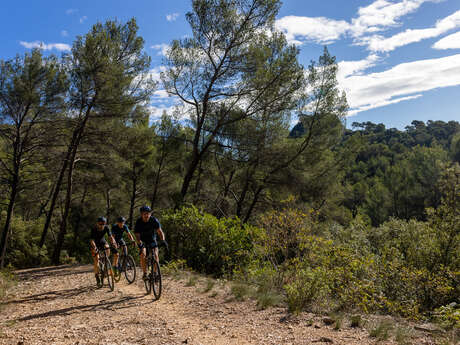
(102,220)
(121,219)
(145,209)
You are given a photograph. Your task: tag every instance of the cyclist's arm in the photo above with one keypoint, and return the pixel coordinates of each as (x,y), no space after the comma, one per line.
(112,239)
(138,237)
(93,244)
(130,235)
(161,234)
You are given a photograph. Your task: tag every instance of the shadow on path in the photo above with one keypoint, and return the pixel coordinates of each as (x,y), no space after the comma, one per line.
(53,295)
(122,303)
(54,271)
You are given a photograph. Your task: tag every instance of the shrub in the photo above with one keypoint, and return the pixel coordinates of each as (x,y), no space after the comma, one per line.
(207,244)
(448,316)
(308,286)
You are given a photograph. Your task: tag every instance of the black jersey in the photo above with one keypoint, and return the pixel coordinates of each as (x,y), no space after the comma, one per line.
(147,230)
(97,235)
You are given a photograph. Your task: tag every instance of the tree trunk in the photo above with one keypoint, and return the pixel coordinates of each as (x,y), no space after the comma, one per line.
(188,178)
(254,202)
(57,189)
(107,199)
(65,215)
(77,223)
(133,198)
(9,215)
(157,180)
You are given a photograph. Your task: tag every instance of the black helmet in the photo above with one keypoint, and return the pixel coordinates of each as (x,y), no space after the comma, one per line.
(121,219)
(145,209)
(102,220)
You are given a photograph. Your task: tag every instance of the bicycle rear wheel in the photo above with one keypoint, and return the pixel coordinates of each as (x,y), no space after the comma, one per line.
(156,279)
(129,267)
(108,272)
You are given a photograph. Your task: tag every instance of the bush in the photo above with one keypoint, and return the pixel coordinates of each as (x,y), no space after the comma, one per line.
(207,244)
(309,286)
(23,250)
(7,281)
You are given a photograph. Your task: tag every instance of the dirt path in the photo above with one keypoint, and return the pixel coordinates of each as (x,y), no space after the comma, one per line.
(61,305)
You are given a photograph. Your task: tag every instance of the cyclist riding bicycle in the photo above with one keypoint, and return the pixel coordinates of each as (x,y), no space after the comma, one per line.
(98,242)
(118,229)
(146,229)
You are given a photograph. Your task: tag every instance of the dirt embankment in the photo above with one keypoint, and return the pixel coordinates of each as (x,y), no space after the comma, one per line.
(61,305)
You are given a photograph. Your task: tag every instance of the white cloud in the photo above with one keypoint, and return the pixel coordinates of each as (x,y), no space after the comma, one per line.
(402,82)
(161,94)
(82,19)
(378,16)
(162,48)
(318,29)
(71,11)
(155,72)
(449,42)
(172,17)
(45,46)
(383,14)
(347,68)
(378,43)
(64,33)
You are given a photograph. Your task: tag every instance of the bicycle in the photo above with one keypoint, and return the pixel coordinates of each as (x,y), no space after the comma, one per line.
(127,265)
(153,281)
(104,270)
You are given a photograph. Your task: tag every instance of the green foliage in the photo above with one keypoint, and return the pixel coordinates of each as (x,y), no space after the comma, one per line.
(356,321)
(308,287)
(24,250)
(241,291)
(448,316)
(7,281)
(208,244)
(382,330)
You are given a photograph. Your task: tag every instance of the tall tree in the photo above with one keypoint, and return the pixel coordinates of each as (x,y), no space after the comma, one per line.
(32,89)
(107,70)
(234,67)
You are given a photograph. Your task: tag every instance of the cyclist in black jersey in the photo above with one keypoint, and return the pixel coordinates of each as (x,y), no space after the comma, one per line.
(146,229)
(98,242)
(118,229)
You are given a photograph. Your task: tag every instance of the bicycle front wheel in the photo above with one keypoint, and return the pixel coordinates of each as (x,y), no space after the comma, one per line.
(129,267)
(100,274)
(148,279)
(156,280)
(116,274)
(109,274)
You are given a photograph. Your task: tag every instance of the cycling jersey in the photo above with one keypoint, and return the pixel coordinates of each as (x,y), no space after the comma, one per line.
(98,236)
(147,230)
(118,232)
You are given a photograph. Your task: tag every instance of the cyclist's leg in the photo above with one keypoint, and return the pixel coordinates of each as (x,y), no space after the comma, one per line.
(95,261)
(115,257)
(142,255)
(116,252)
(155,252)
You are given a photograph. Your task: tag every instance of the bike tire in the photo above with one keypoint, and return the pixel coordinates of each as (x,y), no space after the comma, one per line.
(156,279)
(100,274)
(116,275)
(129,268)
(147,281)
(109,274)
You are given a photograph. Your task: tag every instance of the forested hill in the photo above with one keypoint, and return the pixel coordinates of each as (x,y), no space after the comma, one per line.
(235,193)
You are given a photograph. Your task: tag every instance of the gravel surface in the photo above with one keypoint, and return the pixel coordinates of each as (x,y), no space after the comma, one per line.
(61,305)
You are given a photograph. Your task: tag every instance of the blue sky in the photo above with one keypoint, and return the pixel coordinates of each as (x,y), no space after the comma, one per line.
(399,59)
